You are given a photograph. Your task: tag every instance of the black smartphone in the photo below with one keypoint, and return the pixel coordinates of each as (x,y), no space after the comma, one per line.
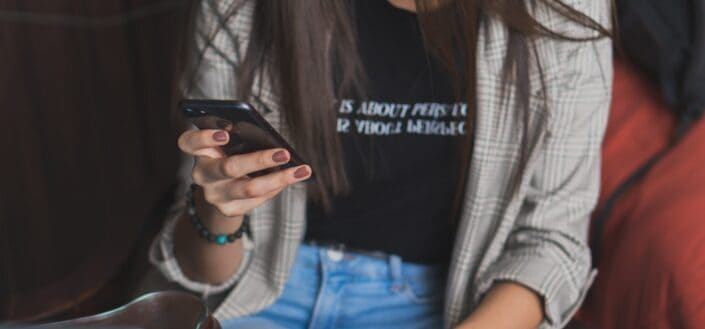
(249,131)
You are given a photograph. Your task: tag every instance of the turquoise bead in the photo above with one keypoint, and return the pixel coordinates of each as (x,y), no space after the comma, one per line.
(221,239)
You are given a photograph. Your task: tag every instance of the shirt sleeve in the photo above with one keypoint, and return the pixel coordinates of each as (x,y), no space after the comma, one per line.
(547,249)
(162,256)
(215,50)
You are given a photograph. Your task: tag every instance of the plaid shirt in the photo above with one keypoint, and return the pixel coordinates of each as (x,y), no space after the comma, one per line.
(522,224)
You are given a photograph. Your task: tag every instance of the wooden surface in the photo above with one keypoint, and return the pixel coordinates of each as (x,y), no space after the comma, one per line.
(87,141)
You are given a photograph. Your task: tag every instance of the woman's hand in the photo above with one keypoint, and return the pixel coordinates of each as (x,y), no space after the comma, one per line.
(226,194)
(224,180)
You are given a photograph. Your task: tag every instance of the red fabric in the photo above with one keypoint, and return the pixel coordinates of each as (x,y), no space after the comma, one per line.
(652,271)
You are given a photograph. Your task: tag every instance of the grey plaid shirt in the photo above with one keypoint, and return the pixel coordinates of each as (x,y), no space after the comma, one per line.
(534,234)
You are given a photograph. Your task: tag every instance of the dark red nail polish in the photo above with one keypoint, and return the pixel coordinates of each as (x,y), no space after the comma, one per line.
(302,172)
(280,156)
(220,136)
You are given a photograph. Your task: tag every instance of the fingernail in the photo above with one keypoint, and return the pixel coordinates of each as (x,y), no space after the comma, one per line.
(280,156)
(302,172)
(220,136)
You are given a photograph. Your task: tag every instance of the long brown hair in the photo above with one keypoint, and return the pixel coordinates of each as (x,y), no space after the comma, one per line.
(308,49)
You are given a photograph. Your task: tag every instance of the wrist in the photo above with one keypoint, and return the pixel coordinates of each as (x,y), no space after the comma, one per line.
(213,219)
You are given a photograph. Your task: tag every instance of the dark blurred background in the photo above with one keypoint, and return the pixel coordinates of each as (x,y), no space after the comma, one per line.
(88,148)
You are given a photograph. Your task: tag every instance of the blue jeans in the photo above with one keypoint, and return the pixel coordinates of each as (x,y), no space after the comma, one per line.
(333,289)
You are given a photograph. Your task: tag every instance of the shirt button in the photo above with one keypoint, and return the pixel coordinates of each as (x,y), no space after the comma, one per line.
(335,255)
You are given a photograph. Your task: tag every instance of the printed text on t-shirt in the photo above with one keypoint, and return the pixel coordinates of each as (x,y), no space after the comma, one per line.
(386,118)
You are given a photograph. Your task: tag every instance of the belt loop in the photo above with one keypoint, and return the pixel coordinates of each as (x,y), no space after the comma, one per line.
(395,270)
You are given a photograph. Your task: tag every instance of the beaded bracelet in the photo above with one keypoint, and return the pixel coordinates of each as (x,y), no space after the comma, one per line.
(219,239)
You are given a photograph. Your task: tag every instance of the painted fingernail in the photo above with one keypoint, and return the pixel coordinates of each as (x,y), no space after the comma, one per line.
(302,172)
(280,156)
(220,136)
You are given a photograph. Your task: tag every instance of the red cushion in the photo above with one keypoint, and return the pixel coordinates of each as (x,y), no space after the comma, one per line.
(652,270)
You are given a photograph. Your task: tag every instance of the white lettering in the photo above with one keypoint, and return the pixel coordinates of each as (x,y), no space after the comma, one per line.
(343,125)
(346,106)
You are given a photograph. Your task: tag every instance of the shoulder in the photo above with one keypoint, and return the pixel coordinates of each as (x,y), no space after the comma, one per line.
(221,28)
(569,80)
(551,14)
(577,75)
(220,31)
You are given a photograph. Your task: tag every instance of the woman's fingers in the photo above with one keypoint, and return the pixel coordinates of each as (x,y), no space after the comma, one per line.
(238,166)
(238,208)
(225,182)
(203,143)
(263,186)
(260,186)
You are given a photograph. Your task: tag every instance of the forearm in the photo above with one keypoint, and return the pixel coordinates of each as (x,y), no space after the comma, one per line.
(203,261)
(507,306)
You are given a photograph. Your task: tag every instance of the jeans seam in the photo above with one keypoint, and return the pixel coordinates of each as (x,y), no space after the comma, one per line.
(316,312)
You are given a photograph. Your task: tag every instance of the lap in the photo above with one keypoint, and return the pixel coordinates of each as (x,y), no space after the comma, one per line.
(353,292)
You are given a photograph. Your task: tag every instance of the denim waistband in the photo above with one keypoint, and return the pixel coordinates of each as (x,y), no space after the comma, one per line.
(366,266)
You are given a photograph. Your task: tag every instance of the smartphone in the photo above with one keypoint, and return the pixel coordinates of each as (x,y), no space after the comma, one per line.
(249,131)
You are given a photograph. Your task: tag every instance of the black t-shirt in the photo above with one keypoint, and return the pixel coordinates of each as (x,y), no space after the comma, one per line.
(399,146)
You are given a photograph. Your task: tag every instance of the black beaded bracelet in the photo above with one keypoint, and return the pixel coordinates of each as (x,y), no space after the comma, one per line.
(219,239)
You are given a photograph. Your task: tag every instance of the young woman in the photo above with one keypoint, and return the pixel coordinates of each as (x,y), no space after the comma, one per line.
(455,146)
